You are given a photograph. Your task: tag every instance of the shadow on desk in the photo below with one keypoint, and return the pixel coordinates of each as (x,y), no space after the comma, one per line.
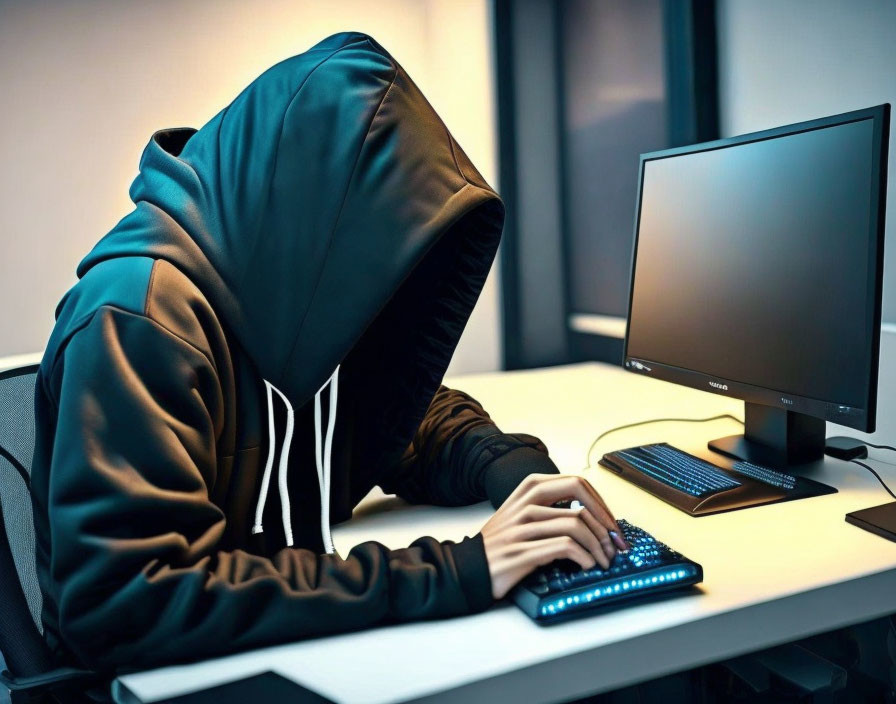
(853,665)
(261,688)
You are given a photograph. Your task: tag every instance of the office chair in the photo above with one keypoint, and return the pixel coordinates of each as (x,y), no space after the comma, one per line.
(31,674)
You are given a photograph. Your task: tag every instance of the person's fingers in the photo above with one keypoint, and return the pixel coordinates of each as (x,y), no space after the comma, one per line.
(538,553)
(512,562)
(521,495)
(611,532)
(604,536)
(619,541)
(610,546)
(617,535)
(569,525)
(534,512)
(600,499)
(518,496)
(562,487)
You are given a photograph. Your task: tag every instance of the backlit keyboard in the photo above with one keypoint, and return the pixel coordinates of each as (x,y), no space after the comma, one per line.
(699,487)
(563,588)
(678,469)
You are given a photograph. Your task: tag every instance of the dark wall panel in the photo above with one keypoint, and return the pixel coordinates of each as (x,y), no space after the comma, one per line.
(615,109)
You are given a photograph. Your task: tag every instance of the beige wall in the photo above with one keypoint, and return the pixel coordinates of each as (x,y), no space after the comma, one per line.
(84,84)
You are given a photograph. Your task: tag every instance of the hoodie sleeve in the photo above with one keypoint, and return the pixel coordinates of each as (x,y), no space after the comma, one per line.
(136,570)
(459,456)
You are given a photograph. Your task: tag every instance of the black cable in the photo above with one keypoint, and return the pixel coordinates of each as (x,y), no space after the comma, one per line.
(879,447)
(882,482)
(655,420)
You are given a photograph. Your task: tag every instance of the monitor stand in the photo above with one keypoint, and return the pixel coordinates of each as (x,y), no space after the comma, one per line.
(775,438)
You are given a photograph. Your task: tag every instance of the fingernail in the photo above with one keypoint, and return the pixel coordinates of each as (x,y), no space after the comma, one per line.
(618,540)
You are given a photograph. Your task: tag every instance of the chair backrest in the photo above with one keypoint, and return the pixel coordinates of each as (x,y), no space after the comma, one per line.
(21,642)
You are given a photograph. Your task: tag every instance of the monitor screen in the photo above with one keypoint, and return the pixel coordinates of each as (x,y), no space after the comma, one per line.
(754,265)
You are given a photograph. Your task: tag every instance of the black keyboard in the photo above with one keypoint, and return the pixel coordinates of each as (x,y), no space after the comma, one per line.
(563,589)
(678,469)
(699,487)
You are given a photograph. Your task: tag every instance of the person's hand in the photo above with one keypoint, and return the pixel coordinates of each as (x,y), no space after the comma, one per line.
(527,531)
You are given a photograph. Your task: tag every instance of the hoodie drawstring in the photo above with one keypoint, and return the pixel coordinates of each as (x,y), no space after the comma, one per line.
(266,478)
(323,462)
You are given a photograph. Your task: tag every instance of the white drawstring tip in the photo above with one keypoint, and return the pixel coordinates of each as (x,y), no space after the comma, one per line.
(256,529)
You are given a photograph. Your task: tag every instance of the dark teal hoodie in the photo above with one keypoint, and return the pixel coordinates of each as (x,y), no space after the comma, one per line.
(322,233)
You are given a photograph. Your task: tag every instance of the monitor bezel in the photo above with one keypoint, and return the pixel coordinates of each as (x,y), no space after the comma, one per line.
(863,419)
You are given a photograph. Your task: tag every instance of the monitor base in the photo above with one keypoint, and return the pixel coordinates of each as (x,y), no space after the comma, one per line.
(775,438)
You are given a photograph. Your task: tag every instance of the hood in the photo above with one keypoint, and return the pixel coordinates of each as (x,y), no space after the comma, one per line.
(327,214)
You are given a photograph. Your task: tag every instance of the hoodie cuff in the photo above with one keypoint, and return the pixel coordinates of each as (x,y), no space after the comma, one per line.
(505,473)
(472,572)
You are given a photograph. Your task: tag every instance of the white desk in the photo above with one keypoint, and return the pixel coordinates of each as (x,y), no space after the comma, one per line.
(772,574)
(20,360)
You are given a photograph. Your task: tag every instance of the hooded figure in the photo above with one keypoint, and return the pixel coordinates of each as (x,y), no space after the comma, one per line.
(252,349)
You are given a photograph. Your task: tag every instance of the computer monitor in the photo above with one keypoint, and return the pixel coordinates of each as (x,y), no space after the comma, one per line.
(757,274)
